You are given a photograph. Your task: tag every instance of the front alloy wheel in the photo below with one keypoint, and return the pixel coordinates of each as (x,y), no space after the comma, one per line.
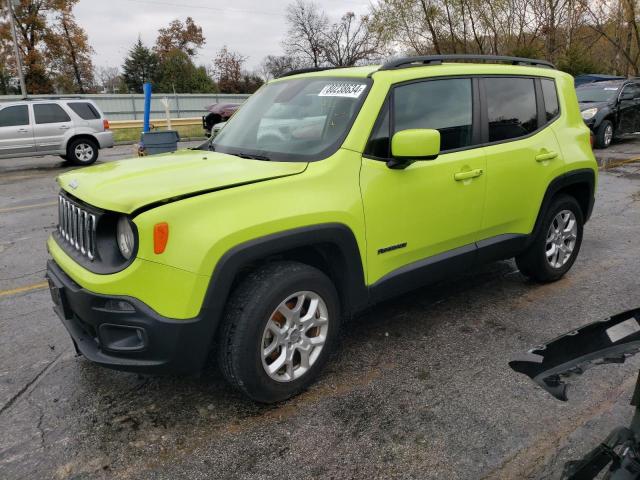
(294,336)
(280,326)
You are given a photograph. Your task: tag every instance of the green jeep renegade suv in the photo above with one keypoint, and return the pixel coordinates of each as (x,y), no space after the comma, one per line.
(326,192)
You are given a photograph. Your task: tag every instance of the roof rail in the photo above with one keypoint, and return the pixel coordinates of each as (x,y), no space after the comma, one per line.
(407,62)
(309,70)
(304,70)
(53,97)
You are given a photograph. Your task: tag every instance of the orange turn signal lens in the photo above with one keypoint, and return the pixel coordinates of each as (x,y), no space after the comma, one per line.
(160,237)
(105,124)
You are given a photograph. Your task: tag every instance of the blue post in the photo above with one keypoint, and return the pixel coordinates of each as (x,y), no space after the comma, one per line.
(147,105)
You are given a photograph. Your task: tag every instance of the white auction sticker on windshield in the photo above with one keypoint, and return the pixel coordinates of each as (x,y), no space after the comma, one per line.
(342,89)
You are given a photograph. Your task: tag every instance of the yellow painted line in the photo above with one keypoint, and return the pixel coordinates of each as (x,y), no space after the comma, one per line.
(28,288)
(26,207)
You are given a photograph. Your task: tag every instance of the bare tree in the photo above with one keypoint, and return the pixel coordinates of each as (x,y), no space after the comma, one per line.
(305,38)
(109,78)
(351,41)
(273,66)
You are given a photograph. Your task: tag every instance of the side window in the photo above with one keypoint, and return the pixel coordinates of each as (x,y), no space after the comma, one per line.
(550,98)
(86,111)
(14,116)
(511,105)
(443,105)
(50,113)
(632,90)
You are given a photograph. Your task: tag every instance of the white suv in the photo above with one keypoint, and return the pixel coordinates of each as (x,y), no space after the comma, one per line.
(75,129)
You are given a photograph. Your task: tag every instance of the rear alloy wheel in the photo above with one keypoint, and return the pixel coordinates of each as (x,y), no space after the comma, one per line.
(280,326)
(557,243)
(82,152)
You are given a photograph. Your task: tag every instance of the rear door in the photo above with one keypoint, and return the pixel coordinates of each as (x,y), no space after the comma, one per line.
(52,124)
(16,131)
(523,154)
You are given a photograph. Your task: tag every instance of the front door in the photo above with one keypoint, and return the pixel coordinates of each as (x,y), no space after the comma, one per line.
(16,132)
(628,109)
(52,124)
(431,208)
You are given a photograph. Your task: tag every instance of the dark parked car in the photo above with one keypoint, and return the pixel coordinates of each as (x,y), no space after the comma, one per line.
(611,109)
(594,77)
(218,112)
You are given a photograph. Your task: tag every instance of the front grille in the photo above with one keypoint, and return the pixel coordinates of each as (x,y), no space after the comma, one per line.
(77,227)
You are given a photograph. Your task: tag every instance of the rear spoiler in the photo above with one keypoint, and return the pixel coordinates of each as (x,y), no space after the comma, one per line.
(608,341)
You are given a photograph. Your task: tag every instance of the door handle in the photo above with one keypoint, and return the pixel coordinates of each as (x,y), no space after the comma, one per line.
(23,130)
(65,127)
(466,175)
(544,156)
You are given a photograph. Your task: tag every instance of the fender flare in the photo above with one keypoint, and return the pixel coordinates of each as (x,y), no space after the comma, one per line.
(352,287)
(575,177)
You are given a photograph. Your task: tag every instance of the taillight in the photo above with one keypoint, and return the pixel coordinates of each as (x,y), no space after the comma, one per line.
(105,124)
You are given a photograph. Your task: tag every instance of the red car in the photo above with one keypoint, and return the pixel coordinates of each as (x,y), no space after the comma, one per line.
(218,112)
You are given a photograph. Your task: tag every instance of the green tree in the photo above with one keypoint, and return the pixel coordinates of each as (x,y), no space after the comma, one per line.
(178,73)
(140,66)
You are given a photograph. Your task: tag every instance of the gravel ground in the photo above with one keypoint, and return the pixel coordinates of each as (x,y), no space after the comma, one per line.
(420,387)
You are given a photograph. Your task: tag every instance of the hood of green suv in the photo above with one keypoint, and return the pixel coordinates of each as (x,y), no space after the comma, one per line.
(127,185)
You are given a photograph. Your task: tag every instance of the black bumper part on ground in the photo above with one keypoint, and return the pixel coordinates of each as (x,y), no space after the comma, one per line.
(125,334)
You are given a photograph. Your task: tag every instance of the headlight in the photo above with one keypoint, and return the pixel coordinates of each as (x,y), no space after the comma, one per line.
(126,238)
(589,113)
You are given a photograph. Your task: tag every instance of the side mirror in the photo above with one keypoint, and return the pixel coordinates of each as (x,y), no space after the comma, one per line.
(408,146)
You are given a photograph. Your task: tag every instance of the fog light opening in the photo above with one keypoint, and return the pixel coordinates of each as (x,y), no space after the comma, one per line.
(122,338)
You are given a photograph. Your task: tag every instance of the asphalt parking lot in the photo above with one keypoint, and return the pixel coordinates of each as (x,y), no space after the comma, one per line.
(420,387)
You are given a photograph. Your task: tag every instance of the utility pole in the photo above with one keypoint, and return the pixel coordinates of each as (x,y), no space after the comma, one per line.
(23,87)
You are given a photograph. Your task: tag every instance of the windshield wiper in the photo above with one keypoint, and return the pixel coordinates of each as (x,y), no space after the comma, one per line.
(251,156)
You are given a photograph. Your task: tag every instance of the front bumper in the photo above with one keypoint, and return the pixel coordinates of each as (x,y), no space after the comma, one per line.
(125,334)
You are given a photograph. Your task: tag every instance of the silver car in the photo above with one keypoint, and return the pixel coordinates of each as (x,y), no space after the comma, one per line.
(75,129)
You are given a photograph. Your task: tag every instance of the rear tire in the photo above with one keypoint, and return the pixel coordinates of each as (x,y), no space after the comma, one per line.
(605,134)
(557,243)
(82,151)
(279,328)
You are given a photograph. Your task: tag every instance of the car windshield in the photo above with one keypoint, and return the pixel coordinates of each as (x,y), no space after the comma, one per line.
(293,120)
(597,93)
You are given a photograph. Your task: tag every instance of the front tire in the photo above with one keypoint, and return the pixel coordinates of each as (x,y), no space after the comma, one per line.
(82,151)
(280,326)
(557,243)
(605,134)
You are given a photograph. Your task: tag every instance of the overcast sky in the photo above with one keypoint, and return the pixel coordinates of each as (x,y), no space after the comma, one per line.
(255,28)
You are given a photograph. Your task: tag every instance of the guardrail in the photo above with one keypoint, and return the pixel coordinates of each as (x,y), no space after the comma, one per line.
(155,123)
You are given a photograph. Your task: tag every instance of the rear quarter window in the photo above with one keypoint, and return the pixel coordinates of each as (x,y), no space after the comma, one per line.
(84,110)
(550,95)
